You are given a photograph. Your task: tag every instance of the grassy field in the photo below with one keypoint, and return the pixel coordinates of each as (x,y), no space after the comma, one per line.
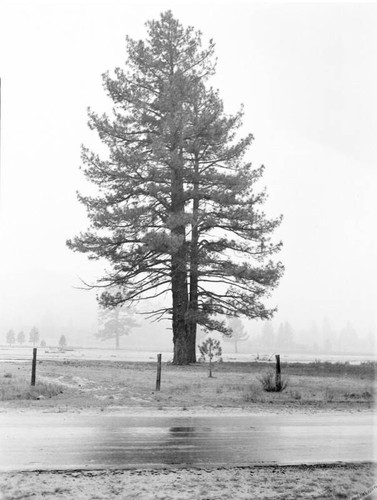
(101,384)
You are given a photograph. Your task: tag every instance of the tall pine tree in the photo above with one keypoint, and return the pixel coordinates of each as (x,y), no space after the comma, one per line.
(176,209)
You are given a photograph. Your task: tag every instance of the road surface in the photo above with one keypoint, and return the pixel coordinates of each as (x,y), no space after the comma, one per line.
(58,441)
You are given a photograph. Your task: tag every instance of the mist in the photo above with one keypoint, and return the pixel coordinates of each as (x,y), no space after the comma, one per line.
(306,75)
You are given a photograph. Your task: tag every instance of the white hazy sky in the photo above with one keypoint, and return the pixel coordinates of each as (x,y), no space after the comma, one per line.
(306,73)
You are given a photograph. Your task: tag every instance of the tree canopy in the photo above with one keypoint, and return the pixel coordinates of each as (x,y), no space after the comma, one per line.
(11,337)
(177,211)
(238,333)
(34,336)
(115,322)
(62,342)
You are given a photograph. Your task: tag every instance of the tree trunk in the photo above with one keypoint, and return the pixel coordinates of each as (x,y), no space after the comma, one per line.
(194,263)
(179,269)
(179,299)
(181,350)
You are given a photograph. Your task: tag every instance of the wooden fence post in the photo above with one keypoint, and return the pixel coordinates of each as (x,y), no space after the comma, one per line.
(278,373)
(158,380)
(34,366)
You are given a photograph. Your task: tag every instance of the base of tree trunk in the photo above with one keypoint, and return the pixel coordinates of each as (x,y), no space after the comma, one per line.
(191,344)
(184,351)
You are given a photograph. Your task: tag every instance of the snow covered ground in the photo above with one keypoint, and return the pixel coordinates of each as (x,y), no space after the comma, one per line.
(25,353)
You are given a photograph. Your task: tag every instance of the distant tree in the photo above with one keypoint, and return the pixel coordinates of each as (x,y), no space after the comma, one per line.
(11,337)
(370,342)
(313,336)
(237,332)
(210,349)
(177,210)
(43,343)
(62,342)
(34,336)
(285,336)
(326,328)
(348,339)
(21,337)
(327,336)
(268,335)
(116,322)
(327,345)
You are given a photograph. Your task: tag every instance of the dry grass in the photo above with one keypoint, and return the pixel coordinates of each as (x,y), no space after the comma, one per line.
(17,387)
(269,383)
(99,384)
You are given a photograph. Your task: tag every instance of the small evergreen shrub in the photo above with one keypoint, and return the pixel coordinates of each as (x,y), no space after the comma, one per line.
(210,349)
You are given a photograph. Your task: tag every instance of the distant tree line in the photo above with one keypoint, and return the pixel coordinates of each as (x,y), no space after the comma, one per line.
(34,338)
(20,338)
(313,339)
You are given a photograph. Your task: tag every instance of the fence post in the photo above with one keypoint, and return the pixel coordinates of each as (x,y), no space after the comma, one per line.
(34,366)
(158,380)
(278,373)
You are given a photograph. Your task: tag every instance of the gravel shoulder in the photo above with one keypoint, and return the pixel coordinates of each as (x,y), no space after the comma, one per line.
(338,481)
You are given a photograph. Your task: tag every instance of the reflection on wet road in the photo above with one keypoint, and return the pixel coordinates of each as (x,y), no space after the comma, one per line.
(68,441)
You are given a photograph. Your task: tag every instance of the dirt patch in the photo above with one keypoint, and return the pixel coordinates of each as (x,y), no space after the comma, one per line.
(288,483)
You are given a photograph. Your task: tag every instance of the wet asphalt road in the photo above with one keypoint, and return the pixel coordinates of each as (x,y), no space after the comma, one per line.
(79,441)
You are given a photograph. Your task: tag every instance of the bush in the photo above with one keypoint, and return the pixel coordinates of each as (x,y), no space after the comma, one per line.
(296,395)
(268,381)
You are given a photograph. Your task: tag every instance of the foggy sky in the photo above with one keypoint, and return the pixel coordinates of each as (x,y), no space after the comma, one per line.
(306,73)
